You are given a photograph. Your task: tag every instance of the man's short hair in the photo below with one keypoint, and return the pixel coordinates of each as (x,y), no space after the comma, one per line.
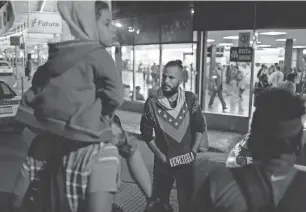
(177,63)
(275,106)
(291,77)
(279,105)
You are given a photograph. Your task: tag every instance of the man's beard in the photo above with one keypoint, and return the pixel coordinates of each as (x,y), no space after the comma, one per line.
(170,93)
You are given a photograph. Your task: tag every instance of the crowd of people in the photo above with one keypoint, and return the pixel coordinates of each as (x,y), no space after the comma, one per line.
(274,77)
(73,163)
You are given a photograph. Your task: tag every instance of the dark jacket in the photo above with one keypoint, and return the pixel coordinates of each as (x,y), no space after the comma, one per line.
(174,136)
(71,91)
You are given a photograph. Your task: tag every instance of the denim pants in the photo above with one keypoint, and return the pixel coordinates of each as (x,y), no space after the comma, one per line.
(163,179)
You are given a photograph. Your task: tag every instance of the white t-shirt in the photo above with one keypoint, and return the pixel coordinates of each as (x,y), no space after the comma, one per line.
(276,78)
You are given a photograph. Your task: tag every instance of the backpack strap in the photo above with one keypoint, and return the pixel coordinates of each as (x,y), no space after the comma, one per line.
(255,188)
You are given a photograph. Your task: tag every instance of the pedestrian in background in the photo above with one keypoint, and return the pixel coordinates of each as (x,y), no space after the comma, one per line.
(277,77)
(28,68)
(217,82)
(290,83)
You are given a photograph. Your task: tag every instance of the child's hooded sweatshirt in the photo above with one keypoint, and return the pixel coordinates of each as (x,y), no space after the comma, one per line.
(76,85)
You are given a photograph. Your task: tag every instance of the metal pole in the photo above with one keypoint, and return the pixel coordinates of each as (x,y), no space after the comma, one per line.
(252,82)
(134,66)
(16,63)
(28,4)
(251,93)
(160,64)
(22,86)
(203,68)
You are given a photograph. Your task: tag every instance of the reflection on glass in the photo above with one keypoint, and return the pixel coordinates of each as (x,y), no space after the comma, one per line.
(125,31)
(187,54)
(227,83)
(146,30)
(127,71)
(147,71)
(177,27)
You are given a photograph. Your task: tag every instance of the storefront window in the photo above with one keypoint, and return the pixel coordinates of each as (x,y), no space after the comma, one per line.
(147,71)
(227,80)
(271,52)
(187,54)
(127,71)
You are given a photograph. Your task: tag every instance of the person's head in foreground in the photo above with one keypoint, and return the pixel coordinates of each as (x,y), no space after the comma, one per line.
(276,130)
(172,77)
(88,20)
(271,182)
(291,77)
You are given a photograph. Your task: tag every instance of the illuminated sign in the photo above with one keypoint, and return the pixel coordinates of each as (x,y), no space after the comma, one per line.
(241,54)
(45,23)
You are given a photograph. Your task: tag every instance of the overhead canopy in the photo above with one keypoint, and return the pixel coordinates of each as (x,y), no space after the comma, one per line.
(209,16)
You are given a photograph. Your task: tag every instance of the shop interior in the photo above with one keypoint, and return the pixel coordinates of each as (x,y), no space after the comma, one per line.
(147,68)
(269,49)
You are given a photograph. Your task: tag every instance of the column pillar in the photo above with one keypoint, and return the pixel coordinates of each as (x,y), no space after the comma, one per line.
(299,59)
(202,67)
(288,56)
(118,59)
(198,66)
(212,65)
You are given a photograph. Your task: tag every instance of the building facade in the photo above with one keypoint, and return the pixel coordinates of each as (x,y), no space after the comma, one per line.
(202,34)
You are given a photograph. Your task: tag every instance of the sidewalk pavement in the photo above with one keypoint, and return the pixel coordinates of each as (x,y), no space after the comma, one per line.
(130,199)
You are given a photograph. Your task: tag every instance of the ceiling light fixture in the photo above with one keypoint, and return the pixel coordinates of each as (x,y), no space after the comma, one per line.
(304,51)
(131,29)
(225,44)
(264,45)
(210,40)
(284,39)
(231,37)
(299,47)
(273,33)
(192,11)
(257,42)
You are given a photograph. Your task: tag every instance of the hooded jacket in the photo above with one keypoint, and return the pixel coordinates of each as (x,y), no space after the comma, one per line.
(70,92)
